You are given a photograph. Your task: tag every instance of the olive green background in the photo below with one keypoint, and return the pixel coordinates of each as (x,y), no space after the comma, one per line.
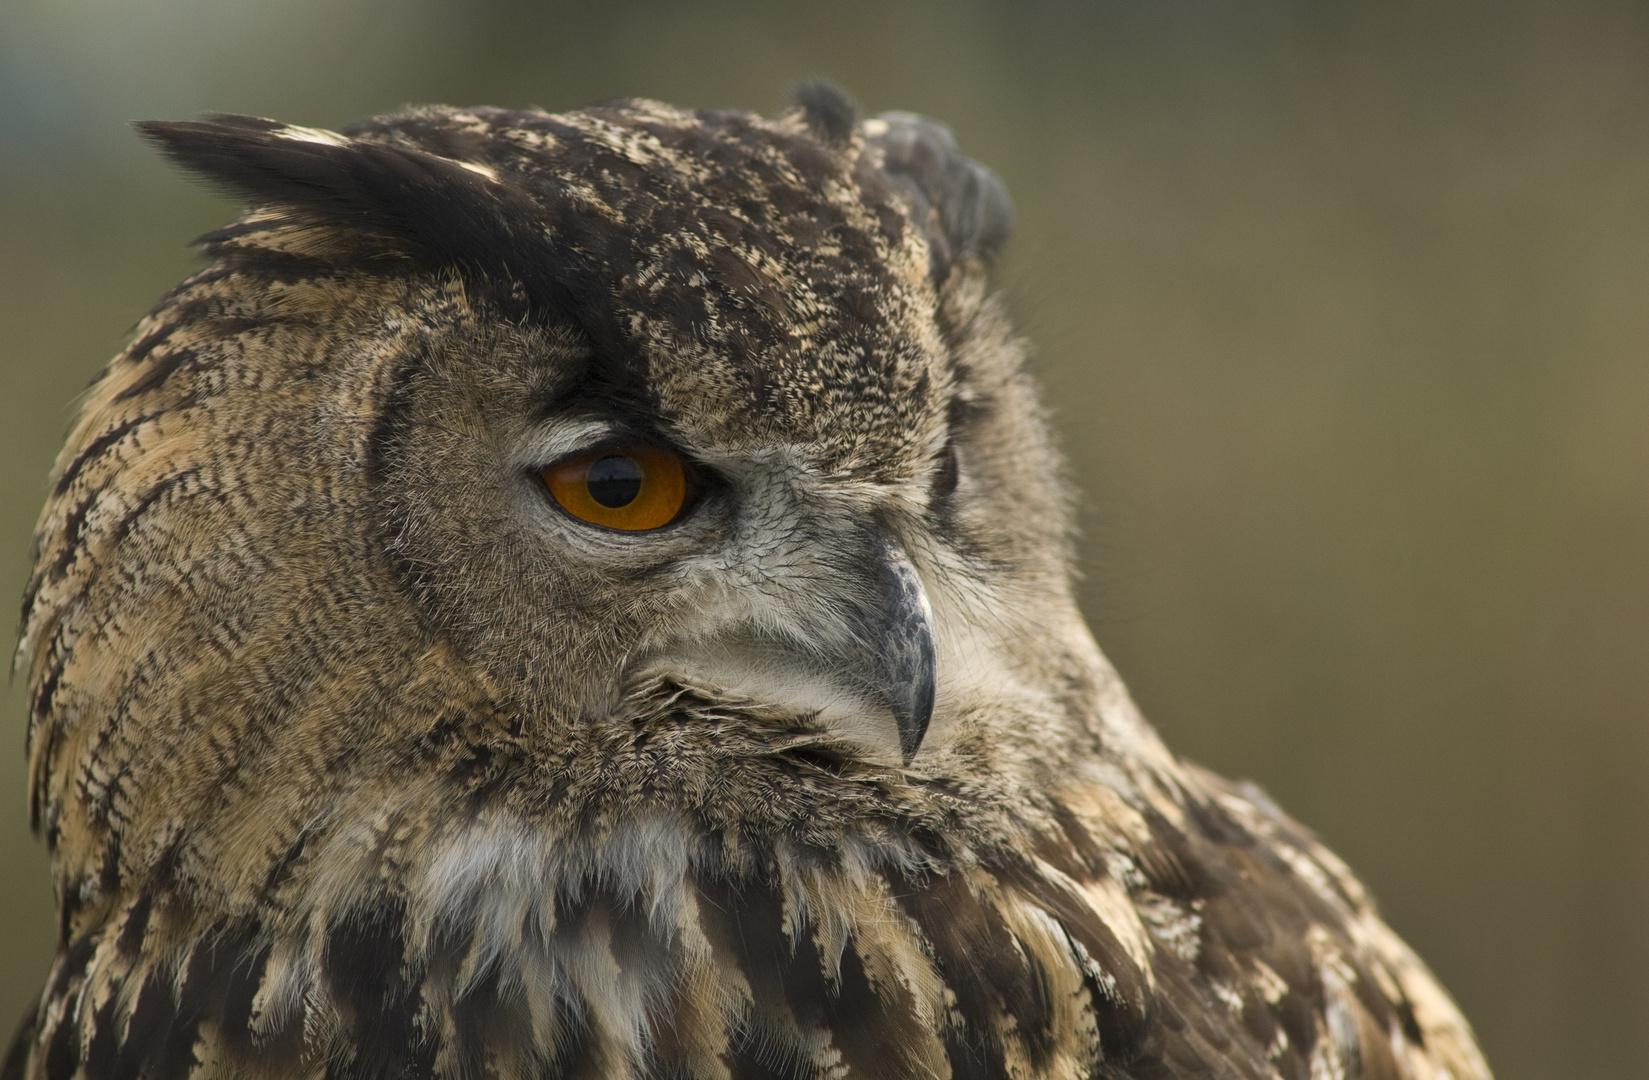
(1343,311)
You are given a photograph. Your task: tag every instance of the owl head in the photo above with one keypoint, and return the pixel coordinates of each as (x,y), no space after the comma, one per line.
(563,420)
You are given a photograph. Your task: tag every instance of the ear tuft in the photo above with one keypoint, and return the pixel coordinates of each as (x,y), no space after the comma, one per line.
(962,206)
(829,112)
(427,207)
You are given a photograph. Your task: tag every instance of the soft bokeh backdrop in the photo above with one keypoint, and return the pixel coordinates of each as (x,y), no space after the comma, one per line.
(1342,309)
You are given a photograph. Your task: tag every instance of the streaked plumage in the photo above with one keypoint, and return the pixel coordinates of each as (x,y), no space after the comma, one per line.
(359,758)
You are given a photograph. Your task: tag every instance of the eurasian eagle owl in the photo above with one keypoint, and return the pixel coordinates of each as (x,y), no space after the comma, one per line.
(589,595)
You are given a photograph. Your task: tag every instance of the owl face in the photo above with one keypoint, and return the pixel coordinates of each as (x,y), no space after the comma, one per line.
(651,398)
(578,540)
(750,483)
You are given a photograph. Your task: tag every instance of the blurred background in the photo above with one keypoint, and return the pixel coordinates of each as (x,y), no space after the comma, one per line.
(1342,310)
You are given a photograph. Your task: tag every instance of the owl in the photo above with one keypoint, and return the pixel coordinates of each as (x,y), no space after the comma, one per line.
(589,596)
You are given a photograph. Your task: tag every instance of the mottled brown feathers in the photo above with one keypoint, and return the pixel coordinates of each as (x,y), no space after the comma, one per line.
(359,758)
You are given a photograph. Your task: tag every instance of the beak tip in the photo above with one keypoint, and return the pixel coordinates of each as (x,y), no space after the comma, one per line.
(907,651)
(913,722)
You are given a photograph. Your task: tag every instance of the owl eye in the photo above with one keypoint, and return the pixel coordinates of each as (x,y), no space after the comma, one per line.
(946,472)
(632,488)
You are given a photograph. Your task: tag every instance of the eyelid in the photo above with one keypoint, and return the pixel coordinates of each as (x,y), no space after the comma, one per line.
(553,443)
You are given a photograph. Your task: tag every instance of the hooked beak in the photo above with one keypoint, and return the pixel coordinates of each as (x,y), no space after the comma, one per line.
(872,649)
(904,660)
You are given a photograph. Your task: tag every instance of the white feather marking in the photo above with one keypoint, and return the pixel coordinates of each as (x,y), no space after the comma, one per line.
(320,136)
(495,879)
(1228,996)
(1119,913)
(1270,985)
(476,167)
(771,679)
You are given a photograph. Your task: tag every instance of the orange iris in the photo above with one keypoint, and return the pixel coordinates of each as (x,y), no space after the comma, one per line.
(627,487)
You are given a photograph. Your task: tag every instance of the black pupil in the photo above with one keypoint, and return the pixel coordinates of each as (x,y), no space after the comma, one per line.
(615,481)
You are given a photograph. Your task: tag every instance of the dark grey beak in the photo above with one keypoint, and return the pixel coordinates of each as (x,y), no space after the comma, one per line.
(904,645)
